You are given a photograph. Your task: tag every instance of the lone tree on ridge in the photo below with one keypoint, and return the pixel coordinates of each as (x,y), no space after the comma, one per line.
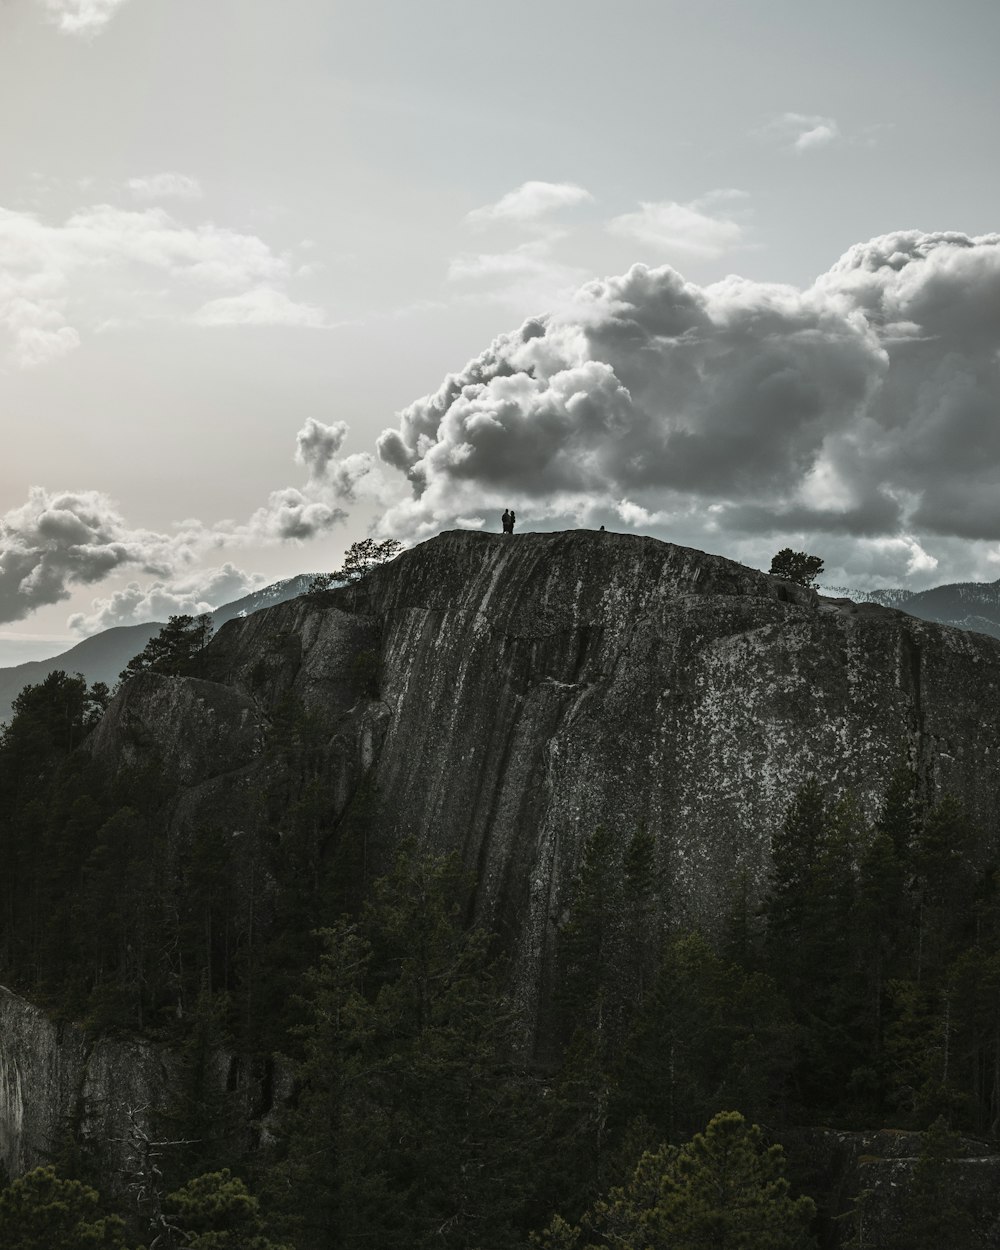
(796,566)
(359,561)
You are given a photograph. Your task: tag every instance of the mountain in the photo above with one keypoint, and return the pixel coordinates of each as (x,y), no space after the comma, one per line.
(966,605)
(266,597)
(103,656)
(99,658)
(521,695)
(503,700)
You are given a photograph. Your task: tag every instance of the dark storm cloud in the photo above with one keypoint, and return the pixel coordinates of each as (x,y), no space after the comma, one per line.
(866,404)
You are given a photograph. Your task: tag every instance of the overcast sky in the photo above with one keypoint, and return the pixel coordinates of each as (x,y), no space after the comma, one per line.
(277,275)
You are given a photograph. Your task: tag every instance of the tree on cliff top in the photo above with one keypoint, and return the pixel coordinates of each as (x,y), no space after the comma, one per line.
(796,566)
(359,561)
(172,649)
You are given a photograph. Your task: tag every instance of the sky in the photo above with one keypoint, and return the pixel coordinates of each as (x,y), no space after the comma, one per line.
(274,277)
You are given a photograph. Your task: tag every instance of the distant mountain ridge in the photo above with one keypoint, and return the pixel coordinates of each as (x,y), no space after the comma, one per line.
(966,605)
(102,656)
(266,597)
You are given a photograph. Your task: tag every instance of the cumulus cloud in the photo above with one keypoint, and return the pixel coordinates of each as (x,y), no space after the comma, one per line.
(168,186)
(858,417)
(110,257)
(54,541)
(288,514)
(81,17)
(529,202)
(695,230)
(316,444)
(357,477)
(199,592)
(802,132)
(60,540)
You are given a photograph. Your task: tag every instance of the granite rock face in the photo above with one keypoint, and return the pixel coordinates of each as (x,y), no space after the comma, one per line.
(195,729)
(544,685)
(52,1076)
(510,694)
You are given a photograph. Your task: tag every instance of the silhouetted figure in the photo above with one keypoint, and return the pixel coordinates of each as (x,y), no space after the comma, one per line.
(508,521)
(602,529)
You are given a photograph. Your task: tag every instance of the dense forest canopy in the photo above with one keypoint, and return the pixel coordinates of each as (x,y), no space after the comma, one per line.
(416,1119)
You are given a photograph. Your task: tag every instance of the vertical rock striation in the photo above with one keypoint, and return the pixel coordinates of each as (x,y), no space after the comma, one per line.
(534,687)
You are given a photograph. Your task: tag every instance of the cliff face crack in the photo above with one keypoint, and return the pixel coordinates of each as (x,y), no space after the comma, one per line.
(911,662)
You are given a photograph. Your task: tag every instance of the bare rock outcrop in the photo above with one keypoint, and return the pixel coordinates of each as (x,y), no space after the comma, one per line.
(507,695)
(532,688)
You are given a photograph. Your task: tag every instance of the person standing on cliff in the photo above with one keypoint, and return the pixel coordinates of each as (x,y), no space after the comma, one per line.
(507,520)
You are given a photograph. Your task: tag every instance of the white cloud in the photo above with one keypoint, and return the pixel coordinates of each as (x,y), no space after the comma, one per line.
(58,540)
(81,17)
(168,186)
(522,278)
(316,445)
(529,259)
(690,230)
(857,417)
(529,202)
(105,262)
(262,306)
(802,132)
(198,592)
(288,515)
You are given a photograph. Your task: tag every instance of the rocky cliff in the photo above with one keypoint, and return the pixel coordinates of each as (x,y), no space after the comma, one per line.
(54,1078)
(508,695)
(511,694)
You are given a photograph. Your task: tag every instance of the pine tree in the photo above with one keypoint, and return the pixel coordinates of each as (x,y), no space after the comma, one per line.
(947,854)
(724,1189)
(172,650)
(607,962)
(216,1211)
(808,926)
(710,1034)
(729,1190)
(359,560)
(412,1127)
(41,1211)
(307,1187)
(796,566)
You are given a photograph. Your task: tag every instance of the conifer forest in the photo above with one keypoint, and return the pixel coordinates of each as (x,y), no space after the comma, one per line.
(668,1109)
